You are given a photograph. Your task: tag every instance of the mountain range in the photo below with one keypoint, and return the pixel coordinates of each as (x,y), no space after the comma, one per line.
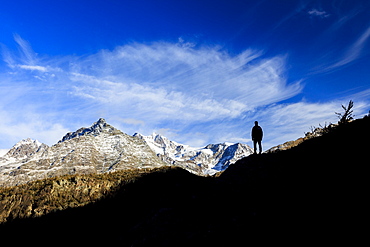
(208,160)
(102,148)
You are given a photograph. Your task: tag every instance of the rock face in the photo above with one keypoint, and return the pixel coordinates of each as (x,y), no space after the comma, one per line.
(96,129)
(96,149)
(202,161)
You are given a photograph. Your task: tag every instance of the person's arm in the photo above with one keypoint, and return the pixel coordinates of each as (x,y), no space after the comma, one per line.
(261,133)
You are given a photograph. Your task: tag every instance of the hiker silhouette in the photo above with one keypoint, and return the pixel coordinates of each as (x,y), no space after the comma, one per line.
(257,135)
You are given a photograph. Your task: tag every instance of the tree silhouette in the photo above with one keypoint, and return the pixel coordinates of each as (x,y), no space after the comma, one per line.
(347,116)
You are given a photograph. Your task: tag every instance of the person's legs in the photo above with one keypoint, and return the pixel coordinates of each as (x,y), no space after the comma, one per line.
(255,146)
(260,146)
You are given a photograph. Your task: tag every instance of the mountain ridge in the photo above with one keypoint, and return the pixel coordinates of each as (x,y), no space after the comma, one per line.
(98,127)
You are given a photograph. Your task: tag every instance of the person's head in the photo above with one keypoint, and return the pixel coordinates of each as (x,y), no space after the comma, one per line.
(256,123)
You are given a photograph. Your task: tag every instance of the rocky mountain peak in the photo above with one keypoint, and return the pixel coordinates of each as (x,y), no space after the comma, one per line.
(101,126)
(25,148)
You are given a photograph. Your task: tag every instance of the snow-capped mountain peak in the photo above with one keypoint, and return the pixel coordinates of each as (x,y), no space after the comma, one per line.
(25,148)
(163,146)
(95,129)
(202,161)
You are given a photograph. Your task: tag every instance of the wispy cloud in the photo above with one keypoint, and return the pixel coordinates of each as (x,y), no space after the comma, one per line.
(26,122)
(182,83)
(318,13)
(25,59)
(27,55)
(33,67)
(284,122)
(344,55)
(354,51)
(339,59)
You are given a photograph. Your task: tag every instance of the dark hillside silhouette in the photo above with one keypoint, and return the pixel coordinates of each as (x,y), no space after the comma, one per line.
(315,193)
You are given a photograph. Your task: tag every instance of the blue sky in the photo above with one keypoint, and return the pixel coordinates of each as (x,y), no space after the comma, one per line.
(197,72)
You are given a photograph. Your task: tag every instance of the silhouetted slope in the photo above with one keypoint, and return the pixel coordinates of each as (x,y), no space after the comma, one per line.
(316,190)
(313,193)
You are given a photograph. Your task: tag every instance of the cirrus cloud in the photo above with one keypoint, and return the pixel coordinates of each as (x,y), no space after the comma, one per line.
(177,82)
(318,13)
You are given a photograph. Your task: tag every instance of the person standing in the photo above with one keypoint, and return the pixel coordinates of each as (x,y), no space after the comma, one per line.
(257,135)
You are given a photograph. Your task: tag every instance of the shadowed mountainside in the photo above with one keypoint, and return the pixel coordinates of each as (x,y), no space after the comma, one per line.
(313,193)
(44,196)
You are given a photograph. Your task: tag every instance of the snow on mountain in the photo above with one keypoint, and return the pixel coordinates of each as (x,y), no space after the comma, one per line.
(102,148)
(163,146)
(202,161)
(96,149)
(25,148)
(97,128)
(3,152)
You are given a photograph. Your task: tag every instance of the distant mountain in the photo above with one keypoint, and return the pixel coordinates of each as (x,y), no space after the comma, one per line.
(96,149)
(202,161)
(102,148)
(25,148)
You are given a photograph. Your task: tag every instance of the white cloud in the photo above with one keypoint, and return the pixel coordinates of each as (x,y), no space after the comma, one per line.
(27,55)
(32,125)
(318,13)
(132,121)
(167,81)
(33,67)
(354,51)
